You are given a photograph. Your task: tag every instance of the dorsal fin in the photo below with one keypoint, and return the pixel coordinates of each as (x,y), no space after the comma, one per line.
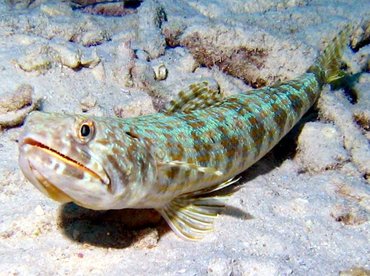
(196,96)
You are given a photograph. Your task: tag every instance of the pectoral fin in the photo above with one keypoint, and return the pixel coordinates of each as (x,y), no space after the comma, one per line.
(191,216)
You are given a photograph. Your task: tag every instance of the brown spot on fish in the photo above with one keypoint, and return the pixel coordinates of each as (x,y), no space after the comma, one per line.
(270,135)
(231,146)
(195,137)
(103,142)
(311,92)
(187,174)
(223,130)
(168,137)
(252,120)
(116,151)
(295,85)
(197,124)
(296,101)
(257,132)
(203,156)
(73,172)
(178,151)
(279,116)
(172,172)
(203,159)
(219,117)
(207,147)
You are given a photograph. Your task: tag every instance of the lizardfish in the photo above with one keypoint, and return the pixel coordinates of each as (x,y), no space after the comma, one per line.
(174,161)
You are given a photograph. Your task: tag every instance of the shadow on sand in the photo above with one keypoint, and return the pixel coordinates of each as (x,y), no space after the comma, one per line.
(117,228)
(108,229)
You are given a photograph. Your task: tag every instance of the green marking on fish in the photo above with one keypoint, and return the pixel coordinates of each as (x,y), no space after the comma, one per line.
(172,161)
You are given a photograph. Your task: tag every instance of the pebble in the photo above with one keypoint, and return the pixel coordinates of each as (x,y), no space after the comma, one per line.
(41,57)
(160,72)
(324,138)
(19,98)
(87,102)
(67,54)
(35,59)
(15,106)
(56,9)
(89,59)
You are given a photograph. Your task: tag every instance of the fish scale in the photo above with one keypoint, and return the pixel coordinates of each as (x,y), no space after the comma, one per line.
(182,161)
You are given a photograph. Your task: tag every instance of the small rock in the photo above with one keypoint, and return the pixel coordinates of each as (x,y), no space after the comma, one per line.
(90,59)
(142,74)
(67,54)
(324,139)
(56,9)
(87,103)
(16,100)
(35,59)
(336,108)
(160,72)
(15,106)
(41,57)
(93,38)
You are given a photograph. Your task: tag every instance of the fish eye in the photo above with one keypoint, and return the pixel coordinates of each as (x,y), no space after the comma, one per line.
(86,131)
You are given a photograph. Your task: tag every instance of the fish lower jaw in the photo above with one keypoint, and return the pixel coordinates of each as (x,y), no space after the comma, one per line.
(49,189)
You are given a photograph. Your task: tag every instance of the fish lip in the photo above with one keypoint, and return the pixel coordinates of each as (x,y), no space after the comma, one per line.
(103,178)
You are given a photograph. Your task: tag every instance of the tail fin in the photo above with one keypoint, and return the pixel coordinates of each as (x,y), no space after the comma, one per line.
(327,66)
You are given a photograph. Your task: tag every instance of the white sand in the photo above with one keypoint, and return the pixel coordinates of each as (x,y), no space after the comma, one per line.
(301,212)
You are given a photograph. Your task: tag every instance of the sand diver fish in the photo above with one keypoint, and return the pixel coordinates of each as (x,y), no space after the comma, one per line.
(175,161)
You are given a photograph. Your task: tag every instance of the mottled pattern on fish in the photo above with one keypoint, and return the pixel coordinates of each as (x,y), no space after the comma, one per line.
(228,137)
(172,160)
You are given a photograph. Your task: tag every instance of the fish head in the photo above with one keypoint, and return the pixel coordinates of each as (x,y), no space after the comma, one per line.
(83,159)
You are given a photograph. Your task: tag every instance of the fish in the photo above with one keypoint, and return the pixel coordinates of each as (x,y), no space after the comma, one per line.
(182,162)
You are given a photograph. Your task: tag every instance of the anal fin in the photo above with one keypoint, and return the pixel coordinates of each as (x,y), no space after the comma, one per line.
(191,216)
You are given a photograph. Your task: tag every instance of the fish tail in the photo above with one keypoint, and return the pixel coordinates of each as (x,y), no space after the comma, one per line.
(327,66)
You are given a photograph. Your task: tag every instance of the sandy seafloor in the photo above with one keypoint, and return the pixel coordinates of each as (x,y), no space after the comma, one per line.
(304,209)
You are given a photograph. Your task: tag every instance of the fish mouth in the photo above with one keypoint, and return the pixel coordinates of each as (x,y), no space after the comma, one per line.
(103,177)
